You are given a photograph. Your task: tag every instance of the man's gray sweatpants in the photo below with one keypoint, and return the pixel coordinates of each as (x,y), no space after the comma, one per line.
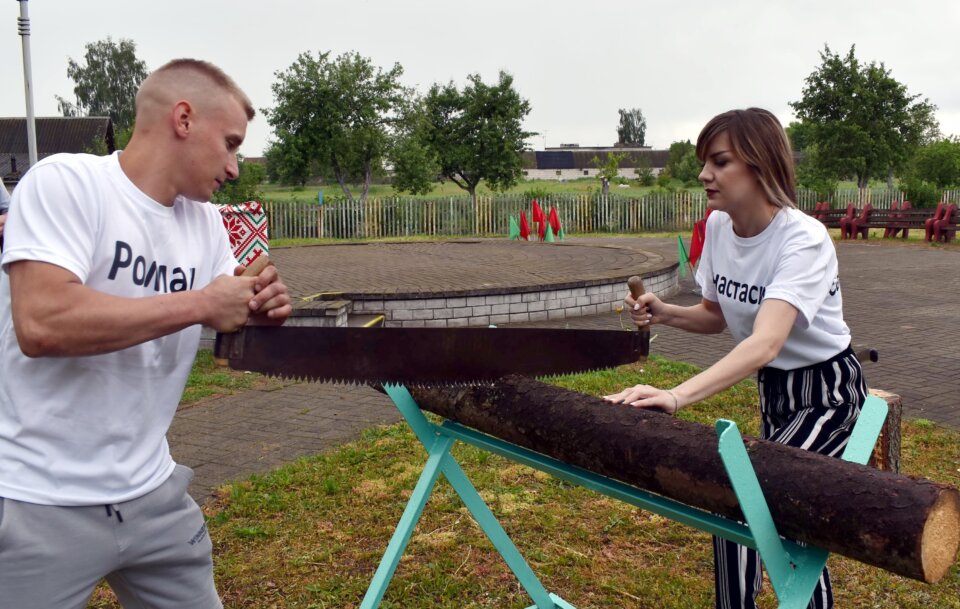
(154,552)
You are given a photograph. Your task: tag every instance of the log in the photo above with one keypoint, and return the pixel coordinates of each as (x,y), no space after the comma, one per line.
(907,525)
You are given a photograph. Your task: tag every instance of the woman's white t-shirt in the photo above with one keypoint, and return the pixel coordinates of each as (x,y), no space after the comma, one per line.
(793,260)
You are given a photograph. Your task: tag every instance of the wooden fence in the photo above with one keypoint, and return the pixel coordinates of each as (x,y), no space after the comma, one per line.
(490,215)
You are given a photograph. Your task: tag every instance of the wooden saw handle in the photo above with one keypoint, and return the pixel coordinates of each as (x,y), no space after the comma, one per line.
(252,270)
(637,290)
(259,263)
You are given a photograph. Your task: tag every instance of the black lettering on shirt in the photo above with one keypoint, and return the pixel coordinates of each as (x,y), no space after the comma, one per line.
(142,272)
(835,286)
(739,290)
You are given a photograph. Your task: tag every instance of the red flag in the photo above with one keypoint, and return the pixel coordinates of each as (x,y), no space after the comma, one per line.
(536,214)
(542,227)
(554,221)
(698,238)
(524,227)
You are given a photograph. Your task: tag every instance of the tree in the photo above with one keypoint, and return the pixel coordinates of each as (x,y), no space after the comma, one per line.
(416,168)
(811,173)
(107,84)
(245,188)
(682,162)
(609,169)
(800,135)
(476,134)
(645,175)
(332,118)
(863,121)
(938,163)
(633,127)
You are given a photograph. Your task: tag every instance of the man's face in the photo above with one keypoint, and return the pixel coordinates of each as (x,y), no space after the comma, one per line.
(218,129)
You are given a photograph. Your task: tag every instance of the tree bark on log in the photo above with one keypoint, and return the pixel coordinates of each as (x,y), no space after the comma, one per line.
(910,526)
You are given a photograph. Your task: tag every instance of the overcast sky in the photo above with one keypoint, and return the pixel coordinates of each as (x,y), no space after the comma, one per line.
(576,62)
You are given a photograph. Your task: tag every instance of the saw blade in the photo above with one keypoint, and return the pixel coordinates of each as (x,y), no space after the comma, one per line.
(425,356)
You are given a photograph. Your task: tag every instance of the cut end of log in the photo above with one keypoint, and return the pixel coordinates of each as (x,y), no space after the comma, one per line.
(941,537)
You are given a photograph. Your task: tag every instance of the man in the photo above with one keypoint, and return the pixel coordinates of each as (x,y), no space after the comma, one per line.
(4,206)
(111,265)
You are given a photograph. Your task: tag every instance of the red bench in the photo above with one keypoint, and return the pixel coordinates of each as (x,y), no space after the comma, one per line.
(943,226)
(858,225)
(832,218)
(892,220)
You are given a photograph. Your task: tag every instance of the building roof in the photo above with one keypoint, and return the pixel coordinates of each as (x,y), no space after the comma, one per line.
(54,134)
(582,158)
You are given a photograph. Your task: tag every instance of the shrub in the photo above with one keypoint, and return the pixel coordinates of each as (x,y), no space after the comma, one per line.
(920,193)
(537,192)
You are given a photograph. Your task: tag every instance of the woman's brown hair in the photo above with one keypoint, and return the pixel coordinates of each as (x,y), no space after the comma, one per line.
(758,139)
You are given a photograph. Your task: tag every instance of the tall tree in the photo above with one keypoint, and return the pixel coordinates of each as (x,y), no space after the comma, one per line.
(332,118)
(477,134)
(863,122)
(107,83)
(633,127)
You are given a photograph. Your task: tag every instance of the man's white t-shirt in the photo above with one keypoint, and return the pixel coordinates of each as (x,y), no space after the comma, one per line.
(793,260)
(92,430)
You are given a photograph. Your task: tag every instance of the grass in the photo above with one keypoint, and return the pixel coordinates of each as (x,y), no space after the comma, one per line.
(310,535)
(208,379)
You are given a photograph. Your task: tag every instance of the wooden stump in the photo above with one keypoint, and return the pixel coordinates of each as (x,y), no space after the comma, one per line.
(886,454)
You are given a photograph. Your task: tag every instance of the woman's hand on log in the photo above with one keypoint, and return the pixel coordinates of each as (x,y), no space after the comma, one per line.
(647,396)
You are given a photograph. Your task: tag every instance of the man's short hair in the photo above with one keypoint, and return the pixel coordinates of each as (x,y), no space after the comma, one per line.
(205,70)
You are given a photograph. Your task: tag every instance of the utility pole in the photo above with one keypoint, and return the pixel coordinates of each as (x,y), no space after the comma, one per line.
(23,26)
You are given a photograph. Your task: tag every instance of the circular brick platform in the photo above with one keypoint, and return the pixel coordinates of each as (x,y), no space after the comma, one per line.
(471,281)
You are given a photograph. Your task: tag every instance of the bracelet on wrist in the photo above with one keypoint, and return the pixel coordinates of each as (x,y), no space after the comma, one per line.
(676,403)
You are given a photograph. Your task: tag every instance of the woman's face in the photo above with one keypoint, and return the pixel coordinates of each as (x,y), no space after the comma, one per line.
(728,180)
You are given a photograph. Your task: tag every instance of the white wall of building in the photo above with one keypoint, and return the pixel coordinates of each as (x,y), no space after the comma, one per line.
(576,174)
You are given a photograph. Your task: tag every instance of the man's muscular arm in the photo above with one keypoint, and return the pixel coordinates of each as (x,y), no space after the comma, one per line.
(54,314)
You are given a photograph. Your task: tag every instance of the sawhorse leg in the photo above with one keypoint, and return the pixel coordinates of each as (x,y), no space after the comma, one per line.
(793,569)
(439,460)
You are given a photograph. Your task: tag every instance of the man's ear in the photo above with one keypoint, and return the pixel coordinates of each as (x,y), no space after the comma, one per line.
(182,118)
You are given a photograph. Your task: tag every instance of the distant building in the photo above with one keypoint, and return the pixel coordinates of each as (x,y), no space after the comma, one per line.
(572,161)
(92,134)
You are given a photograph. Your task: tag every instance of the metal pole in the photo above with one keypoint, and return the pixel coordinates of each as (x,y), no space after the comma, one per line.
(23,25)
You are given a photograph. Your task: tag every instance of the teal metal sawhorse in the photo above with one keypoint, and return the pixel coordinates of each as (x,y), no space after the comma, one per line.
(793,569)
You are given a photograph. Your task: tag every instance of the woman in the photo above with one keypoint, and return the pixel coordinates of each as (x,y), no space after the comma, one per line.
(769,274)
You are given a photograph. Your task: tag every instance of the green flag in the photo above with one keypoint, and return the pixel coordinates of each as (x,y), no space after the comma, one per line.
(514,229)
(549,238)
(684,258)
(561,235)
